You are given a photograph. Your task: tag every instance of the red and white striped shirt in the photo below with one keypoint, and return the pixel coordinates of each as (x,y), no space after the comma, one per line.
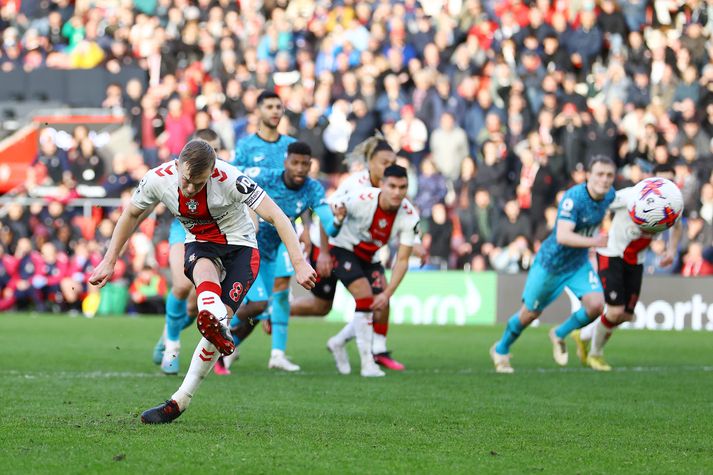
(367,227)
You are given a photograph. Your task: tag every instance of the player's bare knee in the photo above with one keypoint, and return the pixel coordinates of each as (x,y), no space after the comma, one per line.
(192,307)
(322,307)
(281,283)
(260,306)
(528,316)
(594,308)
(618,315)
(182,288)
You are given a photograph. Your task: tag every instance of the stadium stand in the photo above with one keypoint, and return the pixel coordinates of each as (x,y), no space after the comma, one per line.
(495,106)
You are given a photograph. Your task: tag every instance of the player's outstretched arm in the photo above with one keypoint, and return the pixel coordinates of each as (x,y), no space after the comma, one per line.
(672,247)
(397,274)
(129,219)
(270,212)
(567,237)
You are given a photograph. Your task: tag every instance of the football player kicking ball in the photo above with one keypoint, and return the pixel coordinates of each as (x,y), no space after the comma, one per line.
(211,199)
(562,262)
(370,218)
(378,155)
(294,192)
(621,269)
(181,309)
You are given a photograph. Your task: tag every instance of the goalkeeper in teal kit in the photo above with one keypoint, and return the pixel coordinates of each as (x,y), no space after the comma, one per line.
(294,192)
(563,262)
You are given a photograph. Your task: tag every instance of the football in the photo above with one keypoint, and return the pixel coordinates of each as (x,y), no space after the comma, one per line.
(655,204)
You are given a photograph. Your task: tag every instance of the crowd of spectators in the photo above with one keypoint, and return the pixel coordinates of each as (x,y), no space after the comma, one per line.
(495,106)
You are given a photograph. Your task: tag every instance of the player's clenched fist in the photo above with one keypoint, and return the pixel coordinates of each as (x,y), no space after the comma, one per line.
(102,273)
(305,275)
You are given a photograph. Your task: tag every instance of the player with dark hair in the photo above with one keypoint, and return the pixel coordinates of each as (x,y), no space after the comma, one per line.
(211,199)
(370,218)
(295,193)
(267,150)
(378,155)
(562,262)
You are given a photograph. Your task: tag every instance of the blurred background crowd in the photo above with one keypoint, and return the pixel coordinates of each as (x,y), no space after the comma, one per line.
(494,106)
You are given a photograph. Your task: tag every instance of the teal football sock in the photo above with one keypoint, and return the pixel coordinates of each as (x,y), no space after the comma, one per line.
(280,317)
(577,320)
(512,331)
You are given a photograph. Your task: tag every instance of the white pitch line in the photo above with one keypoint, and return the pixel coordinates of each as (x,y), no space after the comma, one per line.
(253,371)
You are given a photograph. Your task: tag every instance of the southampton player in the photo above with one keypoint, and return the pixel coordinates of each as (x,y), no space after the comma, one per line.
(211,199)
(267,149)
(620,270)
(379,155)
(370,218)
(181,309)
(294,192)
(563,262)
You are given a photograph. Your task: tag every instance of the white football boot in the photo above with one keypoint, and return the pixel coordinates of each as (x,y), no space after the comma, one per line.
(501,362)
(559,349)
(339,352)
(278,360)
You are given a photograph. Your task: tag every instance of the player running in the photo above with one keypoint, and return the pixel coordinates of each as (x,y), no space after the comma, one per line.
(294,192)
(379,155)
(621,270)
(181,308)
(211,199)
(370,218)
(563,262)
(267,150)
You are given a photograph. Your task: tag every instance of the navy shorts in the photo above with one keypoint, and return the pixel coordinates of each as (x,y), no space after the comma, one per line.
(238,267)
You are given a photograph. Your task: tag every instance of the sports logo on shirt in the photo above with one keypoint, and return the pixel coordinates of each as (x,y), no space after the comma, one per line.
(192,206)
(245,185)
(382,223)
(258,158)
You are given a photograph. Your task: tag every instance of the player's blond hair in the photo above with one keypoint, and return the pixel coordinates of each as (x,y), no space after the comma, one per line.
(363,152)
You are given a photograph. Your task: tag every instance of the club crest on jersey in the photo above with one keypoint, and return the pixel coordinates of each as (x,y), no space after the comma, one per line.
(192,206)
(382,223)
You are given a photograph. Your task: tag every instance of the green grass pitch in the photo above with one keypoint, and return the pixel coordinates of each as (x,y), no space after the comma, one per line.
(72,389)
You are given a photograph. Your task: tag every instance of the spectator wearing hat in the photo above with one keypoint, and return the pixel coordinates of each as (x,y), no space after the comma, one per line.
(568,134)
